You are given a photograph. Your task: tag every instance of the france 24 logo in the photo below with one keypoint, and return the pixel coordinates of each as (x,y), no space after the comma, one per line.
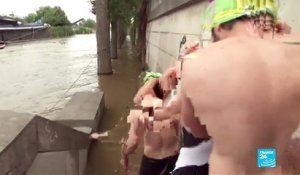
(266,158)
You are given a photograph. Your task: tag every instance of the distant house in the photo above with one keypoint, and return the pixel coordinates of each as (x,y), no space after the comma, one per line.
(12,30)
(8,21)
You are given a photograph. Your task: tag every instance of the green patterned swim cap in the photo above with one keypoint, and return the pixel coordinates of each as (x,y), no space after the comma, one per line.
(227,10)
(150,75)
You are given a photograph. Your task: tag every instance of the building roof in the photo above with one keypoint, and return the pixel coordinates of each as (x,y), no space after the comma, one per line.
(22,27)
(4,20)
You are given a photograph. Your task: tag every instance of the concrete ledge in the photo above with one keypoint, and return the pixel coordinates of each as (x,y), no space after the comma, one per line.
(59,163)
(24,136)
(11,124)
(39,135)
(17,156)
(83,111)
(54,136)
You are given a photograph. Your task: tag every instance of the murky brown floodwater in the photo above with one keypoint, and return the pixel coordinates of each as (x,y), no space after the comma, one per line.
(40,77)
(119,90)
(36,77)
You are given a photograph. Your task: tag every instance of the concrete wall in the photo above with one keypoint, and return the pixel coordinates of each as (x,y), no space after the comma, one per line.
(171,19)
(34,145)
(39,136)
(165,33)
(17,157)
(59,163)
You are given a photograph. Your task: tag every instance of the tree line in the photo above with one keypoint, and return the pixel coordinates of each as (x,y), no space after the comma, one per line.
(120,17)
(58,20)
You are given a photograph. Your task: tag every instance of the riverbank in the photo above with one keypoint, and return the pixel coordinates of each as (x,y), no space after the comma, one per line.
(119,89)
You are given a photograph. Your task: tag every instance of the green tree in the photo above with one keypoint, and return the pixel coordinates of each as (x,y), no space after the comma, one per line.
(89,23)
(54,16)
(31,17)
(122,15)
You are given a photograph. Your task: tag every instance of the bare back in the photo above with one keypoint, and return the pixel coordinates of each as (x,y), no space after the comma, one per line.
(245,91)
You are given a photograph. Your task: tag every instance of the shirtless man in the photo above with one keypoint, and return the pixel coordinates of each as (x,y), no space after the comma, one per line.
(193,157)
(247,93)
(194,152)
(160,148)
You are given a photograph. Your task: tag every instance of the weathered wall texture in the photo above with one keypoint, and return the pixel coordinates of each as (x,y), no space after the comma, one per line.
(34,145)
(165,32)
(26,34)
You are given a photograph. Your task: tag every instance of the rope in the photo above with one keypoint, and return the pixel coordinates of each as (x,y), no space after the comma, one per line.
(60,99)
(175,33)
(164,51)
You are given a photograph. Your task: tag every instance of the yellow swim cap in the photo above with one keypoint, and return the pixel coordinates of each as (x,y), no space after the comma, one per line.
(227,10)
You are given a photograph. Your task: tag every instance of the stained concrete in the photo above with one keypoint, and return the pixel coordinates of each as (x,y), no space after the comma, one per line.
(83,111)
(41,146)
(19,137)
(12,124)
(39,136)
(59,163)
(53,136)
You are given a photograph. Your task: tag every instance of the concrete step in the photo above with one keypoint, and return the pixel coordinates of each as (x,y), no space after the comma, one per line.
(39,135)
(35,144)
(59,163)
(83,111)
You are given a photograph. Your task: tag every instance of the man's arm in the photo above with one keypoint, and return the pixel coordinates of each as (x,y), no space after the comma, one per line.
(189,121)
(136,133)
(147,88)
(169,112)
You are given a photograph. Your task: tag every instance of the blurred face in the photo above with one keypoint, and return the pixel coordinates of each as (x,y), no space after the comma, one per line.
(264,23)
(255,27)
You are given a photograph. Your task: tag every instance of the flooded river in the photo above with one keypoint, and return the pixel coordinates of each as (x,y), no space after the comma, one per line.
(40,76)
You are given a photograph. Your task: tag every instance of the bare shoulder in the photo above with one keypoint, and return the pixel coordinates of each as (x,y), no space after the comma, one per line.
(221,58)
(217,52)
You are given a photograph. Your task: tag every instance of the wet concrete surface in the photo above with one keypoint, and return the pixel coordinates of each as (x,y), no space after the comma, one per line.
(119,89)
(39,77)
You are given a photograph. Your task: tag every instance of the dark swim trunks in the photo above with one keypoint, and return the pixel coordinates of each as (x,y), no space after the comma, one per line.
(151,166)
(192,170)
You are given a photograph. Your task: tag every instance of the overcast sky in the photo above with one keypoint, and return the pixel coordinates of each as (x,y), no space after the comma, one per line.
(74,9)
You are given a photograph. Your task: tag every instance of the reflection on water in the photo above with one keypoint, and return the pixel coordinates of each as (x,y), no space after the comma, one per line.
(37,77)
